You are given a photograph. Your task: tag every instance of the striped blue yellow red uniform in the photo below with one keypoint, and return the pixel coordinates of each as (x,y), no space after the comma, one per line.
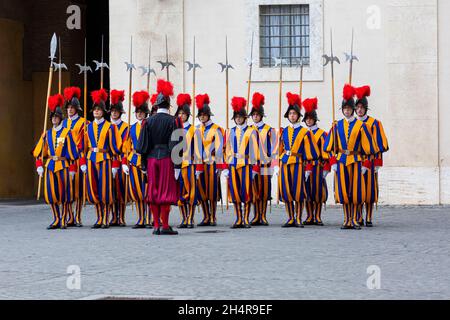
(350,143)
(212,151)
(59,147)
(102,142)
(188,184)
(119,205)
(242,156)
(316,185)
(297,146)
(137,187)
(76,126)
(371,177)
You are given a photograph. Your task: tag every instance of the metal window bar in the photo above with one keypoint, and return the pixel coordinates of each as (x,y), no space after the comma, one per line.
(272,39)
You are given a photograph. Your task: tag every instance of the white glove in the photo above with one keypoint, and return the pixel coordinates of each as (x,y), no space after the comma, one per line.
(226,173)
(325,173)
(72,174)
(83,168)
(254,173)
(197,174)
(177,173)
(125,169)
(143,171)
(114,172)
(217,171)
(276,170)
(377,169)
(334,167)
(307,174)
(363,170)
(40,171)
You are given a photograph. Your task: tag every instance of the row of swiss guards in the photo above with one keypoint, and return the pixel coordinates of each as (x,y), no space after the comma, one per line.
(162,160)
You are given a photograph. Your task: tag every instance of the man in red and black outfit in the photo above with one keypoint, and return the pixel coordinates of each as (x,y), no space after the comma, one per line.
(155,146)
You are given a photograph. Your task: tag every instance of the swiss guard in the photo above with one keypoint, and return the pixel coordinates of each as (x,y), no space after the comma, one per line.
(262,182)
(155,146)
(379,136)
(137,188)
(213,162)
(58,146)
(76,125)
(242,155)
(189,175)
(102,142)
(297,147)
(119,179)
(316,184)
(350,142)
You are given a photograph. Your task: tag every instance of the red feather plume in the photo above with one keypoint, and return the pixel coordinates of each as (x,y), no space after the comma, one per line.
(71,92)
(238,103)
(99,96)
(55,101)
(362,92)
(140,97)
(349,92)
(258,100)
(164,87)
(184,98)
(153,98)
(310,104)
(117,96)
(201,100)
(293,99)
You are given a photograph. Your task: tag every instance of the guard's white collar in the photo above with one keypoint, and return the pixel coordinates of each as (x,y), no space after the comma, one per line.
(162,110)
(294,125)
(57,128)
(259,124)
(363,118)
(242,126)
(74,117)
(116,122)
(99,121)
(351,119)
(186,124)
(207,123)
(314,127)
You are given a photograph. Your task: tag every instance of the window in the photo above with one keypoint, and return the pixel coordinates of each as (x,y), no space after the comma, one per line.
(284,29)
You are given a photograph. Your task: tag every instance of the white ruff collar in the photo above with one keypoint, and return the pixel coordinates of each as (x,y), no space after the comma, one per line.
(116,122)
(351,119)
(207,123)
(295,125)
(162,110)
(74,117)
(314,127)
(99,121)
(364,118)
(59,127)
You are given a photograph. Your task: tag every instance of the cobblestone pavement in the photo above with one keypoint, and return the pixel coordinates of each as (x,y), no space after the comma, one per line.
(409,245)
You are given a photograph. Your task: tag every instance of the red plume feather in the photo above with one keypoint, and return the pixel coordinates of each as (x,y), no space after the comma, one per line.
(258,100)
(184,98)
(238,103)
(164,87)
(153,98)
(349,92)
(55,101)
(201,100)
(293,99)
(362,92)
(140,97)
(99,96)
(71,92)
(117,96)
(310,105)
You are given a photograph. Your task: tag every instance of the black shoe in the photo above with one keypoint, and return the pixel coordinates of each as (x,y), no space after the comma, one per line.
(190,226)
(182,226)
(70,225)
(78,225)
(246,226)
(288,225)
(156,231)
(236,226)
(255,223)
(319,224)
(308,223)
(122,224)
(168,231)
(264,224)
(105,226)
(139,226)
(213,224)
(115,224)
(361,223)
(347,227)
(299,225)
(149,226)
(369,224)
(52,227)
(63,227)
(96,226)
(203,224)
(357,227)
